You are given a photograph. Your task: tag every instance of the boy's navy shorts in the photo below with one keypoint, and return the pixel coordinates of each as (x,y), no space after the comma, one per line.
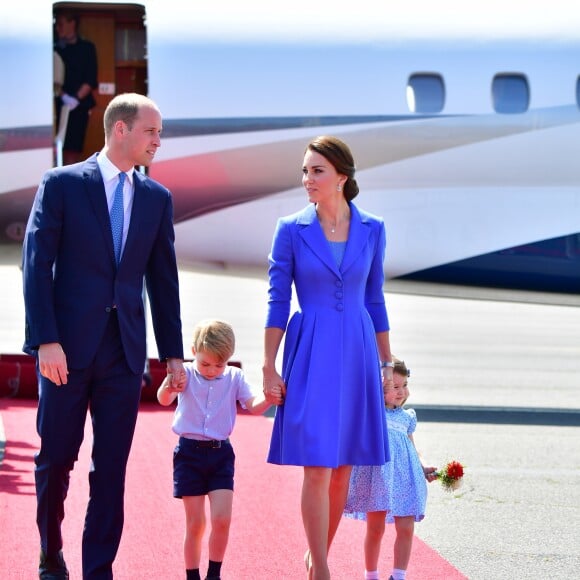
(200,467)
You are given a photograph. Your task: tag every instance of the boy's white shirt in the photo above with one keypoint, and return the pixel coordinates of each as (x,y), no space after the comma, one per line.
(207,409)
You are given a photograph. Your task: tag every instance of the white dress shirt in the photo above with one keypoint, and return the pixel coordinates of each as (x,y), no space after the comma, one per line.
(110,174)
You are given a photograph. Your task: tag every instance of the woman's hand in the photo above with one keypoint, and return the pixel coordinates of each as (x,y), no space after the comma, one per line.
(387,376)
(274,387)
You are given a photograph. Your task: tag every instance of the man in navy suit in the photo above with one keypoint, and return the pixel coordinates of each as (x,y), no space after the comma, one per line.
(85,323)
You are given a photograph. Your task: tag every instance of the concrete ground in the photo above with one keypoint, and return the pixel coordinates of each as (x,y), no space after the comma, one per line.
(495,379)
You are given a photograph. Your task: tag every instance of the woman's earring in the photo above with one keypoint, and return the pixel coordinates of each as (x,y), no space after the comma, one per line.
(339,187)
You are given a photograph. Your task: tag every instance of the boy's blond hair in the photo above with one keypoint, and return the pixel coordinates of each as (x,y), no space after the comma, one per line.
(216,337)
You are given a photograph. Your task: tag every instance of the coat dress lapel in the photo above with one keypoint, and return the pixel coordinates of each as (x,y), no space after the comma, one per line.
(358,236)
(313,236)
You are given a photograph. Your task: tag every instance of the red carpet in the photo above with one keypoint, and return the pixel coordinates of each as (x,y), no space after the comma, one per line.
(267,538)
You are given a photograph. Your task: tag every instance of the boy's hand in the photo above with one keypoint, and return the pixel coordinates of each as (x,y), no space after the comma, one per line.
(172,386)
(175,384)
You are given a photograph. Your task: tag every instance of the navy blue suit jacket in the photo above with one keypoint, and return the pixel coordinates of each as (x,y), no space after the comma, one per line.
(71,280)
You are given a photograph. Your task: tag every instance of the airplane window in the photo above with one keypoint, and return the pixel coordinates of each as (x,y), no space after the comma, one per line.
(510,93)
(425,93)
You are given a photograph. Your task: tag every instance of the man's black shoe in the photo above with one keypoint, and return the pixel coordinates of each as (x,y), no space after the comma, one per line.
(52,567)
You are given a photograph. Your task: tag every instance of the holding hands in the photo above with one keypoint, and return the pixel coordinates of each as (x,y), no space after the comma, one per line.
(274,387)
(174,383)
(387,378)
(176,376)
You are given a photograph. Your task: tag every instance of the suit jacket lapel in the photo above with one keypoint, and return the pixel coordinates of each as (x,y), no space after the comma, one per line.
(138,212)
(98,198)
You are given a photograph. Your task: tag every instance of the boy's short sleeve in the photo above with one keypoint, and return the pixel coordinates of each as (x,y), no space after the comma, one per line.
(245,391)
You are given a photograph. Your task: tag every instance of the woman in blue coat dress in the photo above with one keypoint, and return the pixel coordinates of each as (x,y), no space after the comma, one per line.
(337,355)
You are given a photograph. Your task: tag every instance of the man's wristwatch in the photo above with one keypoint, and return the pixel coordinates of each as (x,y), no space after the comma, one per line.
(387,364)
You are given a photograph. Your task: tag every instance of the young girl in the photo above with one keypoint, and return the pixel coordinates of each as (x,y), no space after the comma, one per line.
(396,491)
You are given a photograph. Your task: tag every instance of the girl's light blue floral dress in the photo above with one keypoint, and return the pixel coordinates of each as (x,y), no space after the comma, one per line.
(398,487)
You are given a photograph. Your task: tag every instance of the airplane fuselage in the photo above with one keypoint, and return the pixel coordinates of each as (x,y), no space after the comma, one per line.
(468,150)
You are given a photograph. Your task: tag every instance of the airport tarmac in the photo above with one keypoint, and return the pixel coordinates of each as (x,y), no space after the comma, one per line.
(517,515)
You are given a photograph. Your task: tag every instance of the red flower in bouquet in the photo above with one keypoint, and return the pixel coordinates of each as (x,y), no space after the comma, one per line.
(451,475)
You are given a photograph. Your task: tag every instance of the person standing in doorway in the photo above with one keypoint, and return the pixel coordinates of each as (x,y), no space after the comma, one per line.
(79,57)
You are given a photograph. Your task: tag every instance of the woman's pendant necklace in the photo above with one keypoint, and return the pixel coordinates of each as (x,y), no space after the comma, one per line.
(329,224)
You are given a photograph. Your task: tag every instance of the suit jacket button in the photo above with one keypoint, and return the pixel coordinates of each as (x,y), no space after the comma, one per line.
(108,309)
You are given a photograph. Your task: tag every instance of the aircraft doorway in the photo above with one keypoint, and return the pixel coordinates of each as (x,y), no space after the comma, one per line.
(119,34)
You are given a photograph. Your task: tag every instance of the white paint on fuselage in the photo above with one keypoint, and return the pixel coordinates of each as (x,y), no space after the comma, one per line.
(461,183)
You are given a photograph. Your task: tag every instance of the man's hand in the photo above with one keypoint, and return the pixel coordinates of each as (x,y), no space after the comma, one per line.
(176,375)
(52,363)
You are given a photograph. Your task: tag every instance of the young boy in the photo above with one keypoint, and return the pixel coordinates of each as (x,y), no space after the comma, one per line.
(203,461)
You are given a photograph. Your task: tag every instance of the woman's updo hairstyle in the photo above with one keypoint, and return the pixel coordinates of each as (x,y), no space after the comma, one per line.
(338,154)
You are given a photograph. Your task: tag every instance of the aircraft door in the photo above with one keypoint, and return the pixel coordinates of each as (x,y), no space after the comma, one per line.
(119,35)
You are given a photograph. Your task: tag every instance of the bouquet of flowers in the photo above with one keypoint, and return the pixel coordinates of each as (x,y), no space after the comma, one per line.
(451,476)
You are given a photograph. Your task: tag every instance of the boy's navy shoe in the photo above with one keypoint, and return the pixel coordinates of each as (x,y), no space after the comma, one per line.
(52,567)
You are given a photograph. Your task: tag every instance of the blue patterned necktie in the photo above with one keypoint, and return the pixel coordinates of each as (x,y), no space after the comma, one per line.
(117,217)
